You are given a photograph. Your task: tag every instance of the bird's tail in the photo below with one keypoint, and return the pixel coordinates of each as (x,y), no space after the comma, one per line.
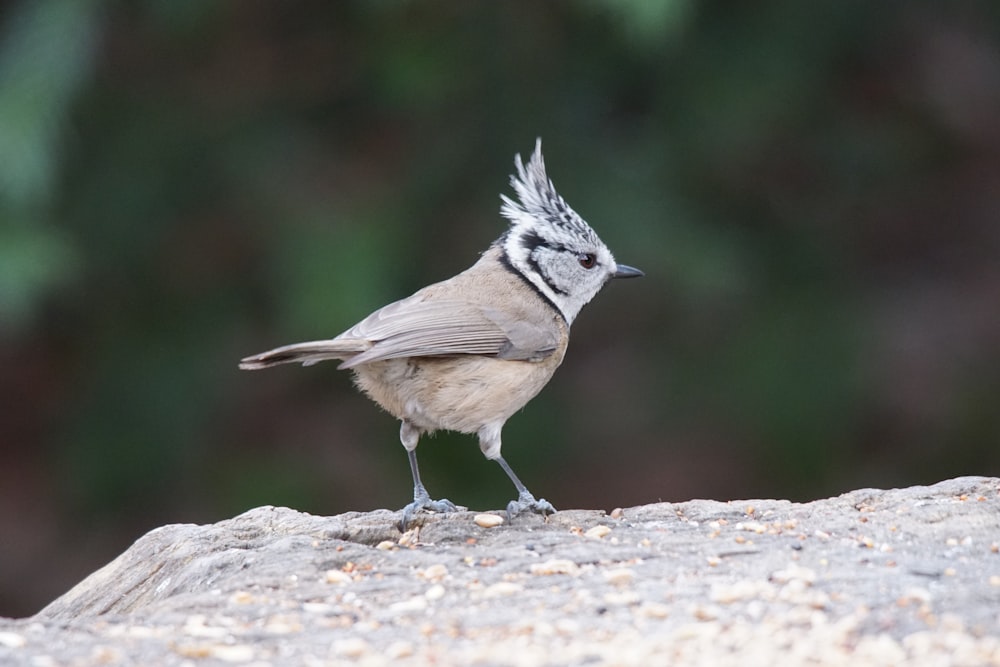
(306,354)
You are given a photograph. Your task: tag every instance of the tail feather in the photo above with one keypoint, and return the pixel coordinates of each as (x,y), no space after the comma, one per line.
(306,354)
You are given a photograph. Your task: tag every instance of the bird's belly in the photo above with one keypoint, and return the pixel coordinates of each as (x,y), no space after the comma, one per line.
(455,393)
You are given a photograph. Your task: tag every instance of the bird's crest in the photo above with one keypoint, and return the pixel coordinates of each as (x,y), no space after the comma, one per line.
(539,201)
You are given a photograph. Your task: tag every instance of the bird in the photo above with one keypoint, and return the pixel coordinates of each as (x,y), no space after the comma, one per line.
(466,353)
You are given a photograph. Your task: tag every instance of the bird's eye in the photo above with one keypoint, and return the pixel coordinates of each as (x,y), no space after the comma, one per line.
(587,260)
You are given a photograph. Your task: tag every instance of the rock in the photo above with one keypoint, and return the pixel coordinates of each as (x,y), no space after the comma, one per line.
(869,577)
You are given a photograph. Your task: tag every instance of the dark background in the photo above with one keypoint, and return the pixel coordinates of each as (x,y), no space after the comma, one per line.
(812,188)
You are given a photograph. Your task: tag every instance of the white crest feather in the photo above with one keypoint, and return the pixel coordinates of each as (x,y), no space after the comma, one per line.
(539,200)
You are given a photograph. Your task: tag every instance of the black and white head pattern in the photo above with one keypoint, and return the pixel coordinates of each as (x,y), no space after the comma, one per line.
(549,243)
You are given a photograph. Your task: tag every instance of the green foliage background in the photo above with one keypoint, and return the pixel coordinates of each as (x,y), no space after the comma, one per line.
(811,187)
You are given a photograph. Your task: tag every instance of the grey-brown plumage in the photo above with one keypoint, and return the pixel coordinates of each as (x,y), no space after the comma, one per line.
(467,353)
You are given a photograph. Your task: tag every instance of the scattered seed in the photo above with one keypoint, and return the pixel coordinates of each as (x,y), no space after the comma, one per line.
(417,603)
(410,537)
(751,527)
(435,572)
(654,610)
(241,597)
(488,520)
(399,649)
(338,577)
(231,652)
(794,573)
(619,576)
(502,589)
(740,591)
(283,626)
(556,566)
(705,613)
(597,532)
(351,647)
(621,598)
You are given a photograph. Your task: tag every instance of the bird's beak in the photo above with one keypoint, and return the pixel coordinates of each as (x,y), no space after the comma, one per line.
(625,271)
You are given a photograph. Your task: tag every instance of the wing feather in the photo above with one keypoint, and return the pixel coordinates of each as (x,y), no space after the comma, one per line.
(432,327)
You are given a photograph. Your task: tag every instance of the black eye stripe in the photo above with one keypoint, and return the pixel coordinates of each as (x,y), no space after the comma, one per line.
(531,240)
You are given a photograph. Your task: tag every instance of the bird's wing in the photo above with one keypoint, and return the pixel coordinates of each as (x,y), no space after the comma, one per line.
(433,327)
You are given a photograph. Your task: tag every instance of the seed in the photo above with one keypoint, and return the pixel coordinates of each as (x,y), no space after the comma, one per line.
(488,520)
(597,532)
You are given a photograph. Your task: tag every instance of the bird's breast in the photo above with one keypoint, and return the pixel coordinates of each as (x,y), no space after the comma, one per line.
(460,393)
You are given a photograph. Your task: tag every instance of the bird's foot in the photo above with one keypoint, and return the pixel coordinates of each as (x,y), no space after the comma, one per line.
(525,502)
(424,502)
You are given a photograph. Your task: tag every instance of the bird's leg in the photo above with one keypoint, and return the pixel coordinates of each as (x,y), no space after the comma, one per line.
(409,435)
(489,443)
(525,501)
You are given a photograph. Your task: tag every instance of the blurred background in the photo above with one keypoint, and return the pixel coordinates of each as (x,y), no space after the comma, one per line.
(813,190)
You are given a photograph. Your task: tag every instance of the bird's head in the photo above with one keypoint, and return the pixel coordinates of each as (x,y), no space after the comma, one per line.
(551,245)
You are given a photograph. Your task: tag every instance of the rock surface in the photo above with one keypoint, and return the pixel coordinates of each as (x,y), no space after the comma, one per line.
(904,576)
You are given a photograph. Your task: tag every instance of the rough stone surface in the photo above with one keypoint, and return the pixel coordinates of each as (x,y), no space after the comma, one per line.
(872,577)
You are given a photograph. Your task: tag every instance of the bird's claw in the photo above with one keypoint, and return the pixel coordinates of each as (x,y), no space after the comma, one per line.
(526,502)
(424,502)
